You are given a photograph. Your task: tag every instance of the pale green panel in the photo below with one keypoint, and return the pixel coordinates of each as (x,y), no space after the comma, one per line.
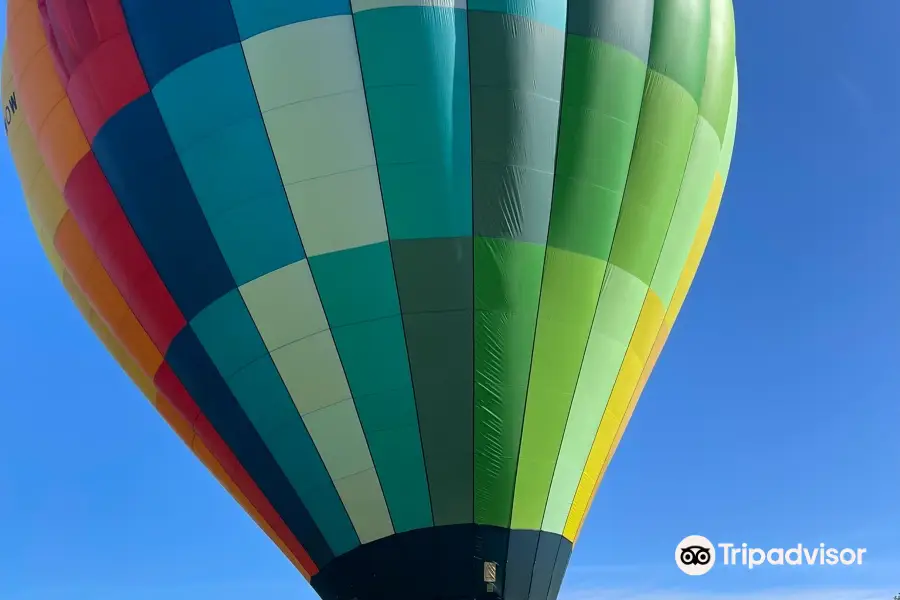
(698,177)
(312,372)
(618,309)
(341,443)
(339,212)
(730,130)
(309,84)
(362,497)
(285,305)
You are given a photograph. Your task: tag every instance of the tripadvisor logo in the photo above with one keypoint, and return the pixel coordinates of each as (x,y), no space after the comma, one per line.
(696,555)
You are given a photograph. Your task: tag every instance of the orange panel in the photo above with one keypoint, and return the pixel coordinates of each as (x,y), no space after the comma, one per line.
(38,89)
(81,261)
(62,142)
(25,31)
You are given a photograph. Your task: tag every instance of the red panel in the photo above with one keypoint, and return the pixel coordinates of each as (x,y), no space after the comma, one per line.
(168,384)
(105,225)
(94,56)
(166,381)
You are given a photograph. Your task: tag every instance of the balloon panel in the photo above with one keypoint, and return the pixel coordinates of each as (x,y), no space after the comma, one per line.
(403,268)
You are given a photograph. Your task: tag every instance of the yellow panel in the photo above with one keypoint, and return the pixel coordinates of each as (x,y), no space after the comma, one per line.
(701,238)
(44,199)
(636,356)
(45,237)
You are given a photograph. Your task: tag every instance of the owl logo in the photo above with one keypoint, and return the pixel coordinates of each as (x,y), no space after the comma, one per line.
(695,555)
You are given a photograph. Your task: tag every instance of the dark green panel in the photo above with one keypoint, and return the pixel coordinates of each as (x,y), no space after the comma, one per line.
(603,90)
(719,84)
(516,76)
(434,280)
(625,24)
(679,43)
(516,72)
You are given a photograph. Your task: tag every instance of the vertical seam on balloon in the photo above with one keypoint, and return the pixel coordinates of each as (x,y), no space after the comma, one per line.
(634,400)
(201,412)
(650,70)
(606,276)
(472,274)
(387,228)
(537,315)
(127,304)
(103,267)
(312,275)
(153,399)
(593,315)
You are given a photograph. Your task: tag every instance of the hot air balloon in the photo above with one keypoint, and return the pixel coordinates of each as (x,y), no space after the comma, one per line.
(396,271)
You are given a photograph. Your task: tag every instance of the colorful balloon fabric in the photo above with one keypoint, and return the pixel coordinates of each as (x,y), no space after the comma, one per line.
(396,271)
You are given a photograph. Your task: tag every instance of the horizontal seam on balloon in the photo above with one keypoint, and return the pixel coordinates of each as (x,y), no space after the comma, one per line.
(293,103)
(341,505)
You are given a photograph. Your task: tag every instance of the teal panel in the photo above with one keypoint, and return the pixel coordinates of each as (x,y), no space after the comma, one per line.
(548,12)
(356,285)
(228,334)
(223,145)
(375,362)
(256,16)
(415,69)
(261,393)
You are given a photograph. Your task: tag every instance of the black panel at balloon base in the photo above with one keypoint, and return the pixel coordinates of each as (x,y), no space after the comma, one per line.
(454,562)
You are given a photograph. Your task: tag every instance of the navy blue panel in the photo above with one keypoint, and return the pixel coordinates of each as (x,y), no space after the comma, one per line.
(136,155)
(523,546)
(559,569)
(544,562)
(170,33)
(439,563)
(203,382)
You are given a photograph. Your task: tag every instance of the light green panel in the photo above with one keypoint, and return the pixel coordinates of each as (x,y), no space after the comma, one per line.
(312,372)
(618,309)
(342,445)
(662,145)
(698,178)
(362,497)
(285,305)
(569,293)
(318,122)
(730,130)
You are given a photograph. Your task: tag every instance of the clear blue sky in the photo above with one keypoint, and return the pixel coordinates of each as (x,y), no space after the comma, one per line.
(771,418)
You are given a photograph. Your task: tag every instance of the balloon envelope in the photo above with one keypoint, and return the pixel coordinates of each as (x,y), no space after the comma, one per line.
(395,270)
